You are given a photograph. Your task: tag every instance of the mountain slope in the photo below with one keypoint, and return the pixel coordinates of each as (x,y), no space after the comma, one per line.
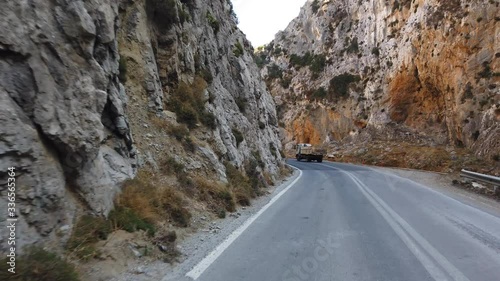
(94,91)
(418,71)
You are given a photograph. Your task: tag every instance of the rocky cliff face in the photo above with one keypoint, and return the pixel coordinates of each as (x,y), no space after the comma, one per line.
(360,69)
(74,130)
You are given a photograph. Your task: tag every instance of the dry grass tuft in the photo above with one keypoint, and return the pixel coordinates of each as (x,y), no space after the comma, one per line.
(240,185)
(152,202)
(218,196)
(160,123)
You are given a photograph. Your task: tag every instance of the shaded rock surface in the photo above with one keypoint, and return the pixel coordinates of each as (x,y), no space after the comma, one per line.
(75,130)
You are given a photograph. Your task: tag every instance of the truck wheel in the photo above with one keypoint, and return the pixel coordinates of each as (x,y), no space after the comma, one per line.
(298,158)
(320,160)
(309,159)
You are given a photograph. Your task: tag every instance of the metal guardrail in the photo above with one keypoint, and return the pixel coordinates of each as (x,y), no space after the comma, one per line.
(495,181)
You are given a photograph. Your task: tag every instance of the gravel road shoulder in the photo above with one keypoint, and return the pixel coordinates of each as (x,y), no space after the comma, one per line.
(444,183)
(195,247)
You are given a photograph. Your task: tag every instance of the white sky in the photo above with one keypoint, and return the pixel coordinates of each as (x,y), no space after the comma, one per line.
(260,20)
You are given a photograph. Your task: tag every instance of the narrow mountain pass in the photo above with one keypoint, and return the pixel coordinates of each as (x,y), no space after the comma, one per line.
(347,222)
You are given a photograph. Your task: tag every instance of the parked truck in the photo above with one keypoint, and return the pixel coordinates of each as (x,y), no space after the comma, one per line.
(308,152)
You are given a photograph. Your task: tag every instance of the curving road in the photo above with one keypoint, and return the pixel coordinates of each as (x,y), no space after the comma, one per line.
(346,222)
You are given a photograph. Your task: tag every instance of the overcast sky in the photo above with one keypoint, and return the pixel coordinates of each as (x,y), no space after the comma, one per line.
(260,20)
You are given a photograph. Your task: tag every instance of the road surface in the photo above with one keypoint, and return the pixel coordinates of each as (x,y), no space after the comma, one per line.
(347,222)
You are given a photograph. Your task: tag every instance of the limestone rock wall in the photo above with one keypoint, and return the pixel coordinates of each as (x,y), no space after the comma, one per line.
(429,66)
(74,131)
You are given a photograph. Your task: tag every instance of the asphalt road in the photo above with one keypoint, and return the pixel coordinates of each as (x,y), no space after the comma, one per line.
(346,222)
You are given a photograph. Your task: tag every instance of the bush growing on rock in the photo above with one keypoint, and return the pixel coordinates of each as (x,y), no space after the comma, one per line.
(238,49)
(214,23)
(316,63)
(339,85)
(319,94)
(241,102)
(218,196)
(162,12)
(179,132)
(315,6)
(238,136)
(41,265)
(122,68)
(86,233)
(274,72)
(188,103)
(240,185)
(143,202)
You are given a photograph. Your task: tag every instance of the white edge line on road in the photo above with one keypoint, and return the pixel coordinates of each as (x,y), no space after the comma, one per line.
(198,270)
(403,229)
(399,224)
(441,193)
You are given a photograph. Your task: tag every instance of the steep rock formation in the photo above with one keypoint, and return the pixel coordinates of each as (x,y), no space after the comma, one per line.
(428,67)
(74,132)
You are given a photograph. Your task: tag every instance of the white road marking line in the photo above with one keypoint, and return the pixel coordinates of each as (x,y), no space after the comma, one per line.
(198,270)
(442,194)
(400,226)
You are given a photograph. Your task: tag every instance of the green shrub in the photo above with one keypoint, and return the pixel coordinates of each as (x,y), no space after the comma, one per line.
(189,3)
(256,155)
(187,114)
(171,166)
(238,49)
(285,82)
(319,94)
(221,213)
(254,176)
(260,59)
(86,233)
(128,220)
(241,102)
(339,85)
(122,69)
(315,6)
(206,75)
(188,103)
(240,185)
(282,153)
(317,63)
(184,16)
(486,72)
(273,150)
(162,12)
(40,265)
(353,46)
(208,119)
(189,144)
(238,136)
(274,72)
(214,23)
(179,132)
(300,61)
